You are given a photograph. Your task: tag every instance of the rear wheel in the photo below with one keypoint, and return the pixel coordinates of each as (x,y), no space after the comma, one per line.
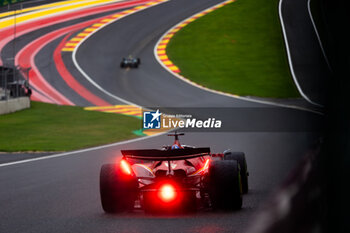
(224,185)
(240,158)
(118,191)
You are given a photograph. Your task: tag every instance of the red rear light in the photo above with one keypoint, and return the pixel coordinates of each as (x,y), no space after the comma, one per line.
(206,165)
(167,193)
(126,168)
(203,169)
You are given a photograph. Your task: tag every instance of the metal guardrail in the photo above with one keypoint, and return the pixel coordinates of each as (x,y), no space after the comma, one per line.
(13,84)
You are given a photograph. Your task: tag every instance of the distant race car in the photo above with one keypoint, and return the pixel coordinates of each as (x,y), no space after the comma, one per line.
(130,62)
(175,178)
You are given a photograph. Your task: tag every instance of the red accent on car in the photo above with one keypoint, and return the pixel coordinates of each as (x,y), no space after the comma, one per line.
(218,155)
(126,168)
(206,165)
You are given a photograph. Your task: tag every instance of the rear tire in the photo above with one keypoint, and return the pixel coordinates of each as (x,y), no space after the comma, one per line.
(240,158)
(118,191)
(224,185)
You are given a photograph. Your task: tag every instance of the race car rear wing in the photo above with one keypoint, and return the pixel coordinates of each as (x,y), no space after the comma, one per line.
(163,155)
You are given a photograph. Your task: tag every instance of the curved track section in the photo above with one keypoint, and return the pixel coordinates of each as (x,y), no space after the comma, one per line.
(32,38)
(60,193)
(307,61)
(150,85)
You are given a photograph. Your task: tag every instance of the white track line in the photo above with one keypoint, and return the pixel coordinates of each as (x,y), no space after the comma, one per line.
(290,58)
(318,36)
(220,92)
(81,151)
(87,77)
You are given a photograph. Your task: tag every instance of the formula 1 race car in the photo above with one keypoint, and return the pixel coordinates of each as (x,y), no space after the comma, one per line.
(174,179)
(130,62)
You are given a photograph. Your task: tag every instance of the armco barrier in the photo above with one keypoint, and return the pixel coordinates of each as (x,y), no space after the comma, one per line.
(13,105)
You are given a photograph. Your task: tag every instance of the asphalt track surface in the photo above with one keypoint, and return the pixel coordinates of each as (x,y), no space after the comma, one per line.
(61,194)
(309,61)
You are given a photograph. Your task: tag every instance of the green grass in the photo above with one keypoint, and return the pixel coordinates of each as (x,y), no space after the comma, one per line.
(47,127)
(237,49)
